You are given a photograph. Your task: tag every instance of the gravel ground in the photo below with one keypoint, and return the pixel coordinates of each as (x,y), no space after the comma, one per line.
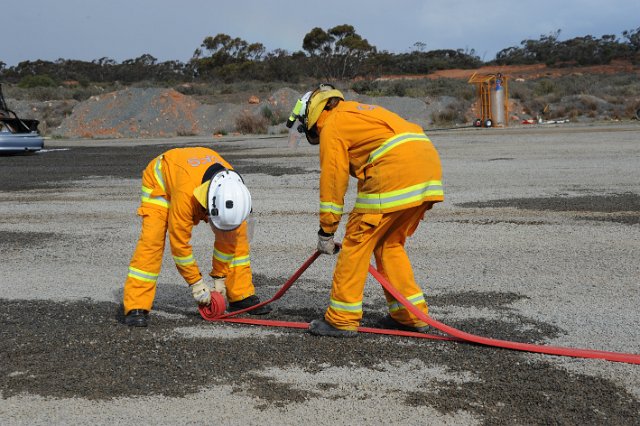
(536,242)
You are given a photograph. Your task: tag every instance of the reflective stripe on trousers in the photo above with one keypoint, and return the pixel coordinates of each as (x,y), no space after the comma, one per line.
(231,259)
(144,268)
(384,235)
(386,200)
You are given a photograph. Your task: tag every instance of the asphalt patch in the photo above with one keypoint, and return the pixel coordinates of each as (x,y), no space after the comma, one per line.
(616,208)
(57,168)
(499,221)
(18,241)
(512,326)
(254,167)
(80,349)
(610,203)
(629,219)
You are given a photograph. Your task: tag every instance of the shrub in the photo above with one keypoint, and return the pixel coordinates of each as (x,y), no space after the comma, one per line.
(185,132)
(448,116)
(544,87)
(247,123)
(398,88)
(31,81)
(365,87)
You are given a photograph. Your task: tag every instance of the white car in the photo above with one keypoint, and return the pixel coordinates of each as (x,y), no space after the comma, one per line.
(17,136)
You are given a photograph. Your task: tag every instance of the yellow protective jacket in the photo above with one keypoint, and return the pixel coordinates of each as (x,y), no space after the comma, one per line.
(396,164)
(176,174)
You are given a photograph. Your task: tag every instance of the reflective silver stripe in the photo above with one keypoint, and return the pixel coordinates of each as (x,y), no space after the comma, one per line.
(344,306)
(414,299)
(329,207)
(184,260)
(146,198)
(221,256)
(231,259)
(399,197)
(142,275)
(395,141)
(158,173)
(240,261)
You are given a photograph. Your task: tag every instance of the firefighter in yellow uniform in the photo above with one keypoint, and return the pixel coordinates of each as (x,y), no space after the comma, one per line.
(399,179)
(180,188)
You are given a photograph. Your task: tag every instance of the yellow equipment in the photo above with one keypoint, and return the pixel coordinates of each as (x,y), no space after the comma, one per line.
(493,96)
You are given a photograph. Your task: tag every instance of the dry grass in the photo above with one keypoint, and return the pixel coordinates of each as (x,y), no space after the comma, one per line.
(249,124)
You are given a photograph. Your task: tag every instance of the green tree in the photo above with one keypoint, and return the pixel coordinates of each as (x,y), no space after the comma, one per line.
(225,55)
(30,81)
(339,52)
(633,43)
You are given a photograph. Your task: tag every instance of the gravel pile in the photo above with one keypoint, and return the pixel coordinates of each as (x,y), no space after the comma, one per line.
(153,112)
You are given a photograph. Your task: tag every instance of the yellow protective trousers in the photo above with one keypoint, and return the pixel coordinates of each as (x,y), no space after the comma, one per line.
(384,235)
(144,268)
(230,254)
(231,259)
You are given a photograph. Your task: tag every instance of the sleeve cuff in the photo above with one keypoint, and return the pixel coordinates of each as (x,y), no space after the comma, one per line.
(325,234)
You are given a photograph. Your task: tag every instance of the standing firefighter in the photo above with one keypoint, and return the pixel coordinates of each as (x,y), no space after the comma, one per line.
(399,179)
(180,188)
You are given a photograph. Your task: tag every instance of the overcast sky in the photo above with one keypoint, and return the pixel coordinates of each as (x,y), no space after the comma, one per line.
(172,30)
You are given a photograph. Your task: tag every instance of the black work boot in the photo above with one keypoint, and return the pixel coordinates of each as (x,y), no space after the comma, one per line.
(321,327)
(247,303)
(389,323)
(137,318)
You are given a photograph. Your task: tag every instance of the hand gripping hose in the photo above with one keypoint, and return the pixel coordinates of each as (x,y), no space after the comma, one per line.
(213,312)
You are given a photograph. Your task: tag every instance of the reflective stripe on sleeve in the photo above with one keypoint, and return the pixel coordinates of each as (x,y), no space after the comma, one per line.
(400,197)
(329,207)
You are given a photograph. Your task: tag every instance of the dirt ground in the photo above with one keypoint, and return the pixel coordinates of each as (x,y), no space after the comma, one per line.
(536,242)
(532,71)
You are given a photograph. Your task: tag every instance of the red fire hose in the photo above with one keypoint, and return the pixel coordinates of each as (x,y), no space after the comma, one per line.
(215,312)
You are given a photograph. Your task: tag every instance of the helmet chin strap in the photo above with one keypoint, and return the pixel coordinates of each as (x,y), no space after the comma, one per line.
(312,135)
(214,209)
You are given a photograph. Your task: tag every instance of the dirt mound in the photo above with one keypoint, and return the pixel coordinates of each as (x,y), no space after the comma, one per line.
(133,112)
(154,112)
(49,113)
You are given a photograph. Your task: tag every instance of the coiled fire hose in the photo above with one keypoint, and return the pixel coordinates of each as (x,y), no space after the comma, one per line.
(216,312)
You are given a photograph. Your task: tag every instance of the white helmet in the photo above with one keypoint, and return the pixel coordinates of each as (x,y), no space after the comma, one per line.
(228,200)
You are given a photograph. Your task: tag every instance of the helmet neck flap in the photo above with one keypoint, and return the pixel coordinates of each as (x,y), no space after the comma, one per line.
(308,109)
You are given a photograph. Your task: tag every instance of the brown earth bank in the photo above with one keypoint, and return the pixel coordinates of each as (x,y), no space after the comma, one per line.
(533,71)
